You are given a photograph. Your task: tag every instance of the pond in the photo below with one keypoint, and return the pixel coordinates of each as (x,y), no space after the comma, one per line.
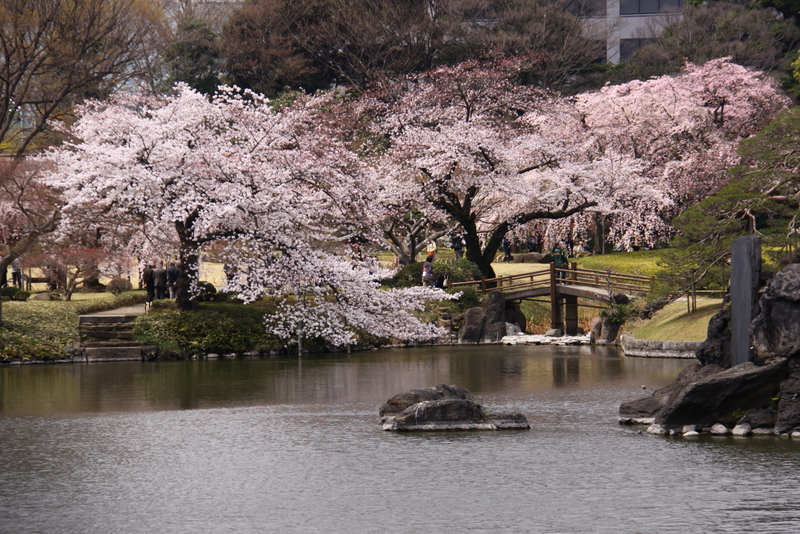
(288,445)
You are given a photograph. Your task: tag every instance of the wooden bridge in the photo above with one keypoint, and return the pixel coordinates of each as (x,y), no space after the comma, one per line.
(566,286)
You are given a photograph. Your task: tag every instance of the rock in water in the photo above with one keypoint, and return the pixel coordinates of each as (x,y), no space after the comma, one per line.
(400,402)
(714,398)
(458,411)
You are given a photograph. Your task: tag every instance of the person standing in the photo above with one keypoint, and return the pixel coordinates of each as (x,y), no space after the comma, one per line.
(427,272)
(560,260)
(160,282)
(458,245)
(506,249)
(16,273)
(147,280)
(173,272)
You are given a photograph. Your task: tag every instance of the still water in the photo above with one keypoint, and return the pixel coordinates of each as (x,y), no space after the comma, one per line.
(295,446)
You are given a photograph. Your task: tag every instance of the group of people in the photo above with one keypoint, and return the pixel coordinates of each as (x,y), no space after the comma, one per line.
(16,274)
(160,281)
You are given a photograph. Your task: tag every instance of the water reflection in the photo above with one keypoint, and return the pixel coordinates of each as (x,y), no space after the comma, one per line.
(337,378)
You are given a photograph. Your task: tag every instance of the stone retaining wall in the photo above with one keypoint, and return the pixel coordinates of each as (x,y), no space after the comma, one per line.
(657,349)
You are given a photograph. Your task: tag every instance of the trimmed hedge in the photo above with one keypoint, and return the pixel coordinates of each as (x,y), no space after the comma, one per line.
(217,328)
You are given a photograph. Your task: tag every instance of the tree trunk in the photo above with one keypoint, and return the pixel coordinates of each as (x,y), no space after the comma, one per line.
(185,299)
(4,263)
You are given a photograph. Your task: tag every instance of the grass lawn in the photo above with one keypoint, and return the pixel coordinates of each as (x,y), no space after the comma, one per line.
(674,323)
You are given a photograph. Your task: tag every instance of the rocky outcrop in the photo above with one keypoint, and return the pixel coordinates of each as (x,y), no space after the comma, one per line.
(401,401)
(716,349)
(643,411)
(515,316)
(494,329)
(472,329)
(718,397)
(758,397)
(775,332)
(788,418)
(533,257)
(453,413)
(489,324)
(604,330)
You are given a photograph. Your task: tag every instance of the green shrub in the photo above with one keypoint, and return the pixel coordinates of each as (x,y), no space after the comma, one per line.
(619,313)
(8,291)
(21,296)
(470,297)
(119,285)
(15,345)
(218,328)
(410,275)
(458,270)
(207,291)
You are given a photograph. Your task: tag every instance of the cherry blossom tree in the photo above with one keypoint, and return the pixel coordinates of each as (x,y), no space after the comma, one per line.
(469,143)
(270,186)
(684,128)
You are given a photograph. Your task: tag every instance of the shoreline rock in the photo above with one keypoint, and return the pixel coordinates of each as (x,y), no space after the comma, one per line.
(755,398)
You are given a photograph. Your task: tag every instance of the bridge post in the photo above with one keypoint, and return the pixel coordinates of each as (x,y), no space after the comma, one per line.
(571,305)
(555,304)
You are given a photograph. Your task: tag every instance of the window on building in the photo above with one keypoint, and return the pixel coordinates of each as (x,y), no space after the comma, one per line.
(628,47)
(638,7)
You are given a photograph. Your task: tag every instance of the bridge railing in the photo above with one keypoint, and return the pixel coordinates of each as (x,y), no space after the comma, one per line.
(610,280)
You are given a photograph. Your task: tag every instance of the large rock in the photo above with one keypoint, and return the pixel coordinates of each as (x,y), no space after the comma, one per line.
(402,401)
(533,257)
(603,330)
(643,411)
(715,398)
(458,411)
(775,332)
(789,405)
(494,329)
(472,329)
(716,349)
(515,316)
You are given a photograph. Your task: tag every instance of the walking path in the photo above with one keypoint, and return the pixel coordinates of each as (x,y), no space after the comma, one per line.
(127,310)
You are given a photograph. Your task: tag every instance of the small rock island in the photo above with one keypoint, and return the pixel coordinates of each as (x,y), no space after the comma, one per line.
(444,407)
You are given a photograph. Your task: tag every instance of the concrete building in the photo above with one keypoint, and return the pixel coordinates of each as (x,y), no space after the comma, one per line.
(628,25)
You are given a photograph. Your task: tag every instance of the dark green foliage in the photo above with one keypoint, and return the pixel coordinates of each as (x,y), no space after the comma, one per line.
(8,291)
(469,298)
(761,199)
(458,270)
(217,328)
(19,346)
(21,296)
(193,56)
(208,292)
(410,275)
(619,313)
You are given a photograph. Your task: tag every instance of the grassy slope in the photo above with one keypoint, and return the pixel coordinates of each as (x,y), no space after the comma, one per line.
(673,323)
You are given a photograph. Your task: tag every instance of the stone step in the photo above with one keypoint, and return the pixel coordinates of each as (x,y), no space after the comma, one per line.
(105,319)
(110,343)
(111,354)
(103,334)
(108,327)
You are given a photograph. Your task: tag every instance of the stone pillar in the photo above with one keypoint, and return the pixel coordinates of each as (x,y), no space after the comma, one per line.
(745,275)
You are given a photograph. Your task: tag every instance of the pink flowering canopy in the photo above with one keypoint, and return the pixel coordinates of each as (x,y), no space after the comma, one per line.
(467,143)
(270,185)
